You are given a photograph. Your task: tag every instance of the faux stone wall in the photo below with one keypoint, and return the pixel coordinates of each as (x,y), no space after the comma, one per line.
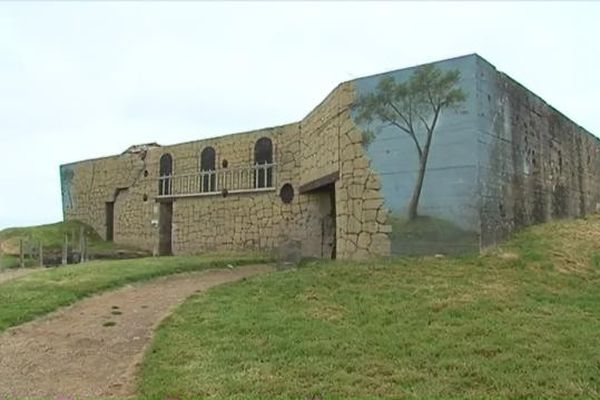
(119,179)
(326,141)
(245,221)
(535,163)
(331,142)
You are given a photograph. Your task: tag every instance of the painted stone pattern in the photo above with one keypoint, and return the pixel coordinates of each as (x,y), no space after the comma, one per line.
(259,220)
(502,160)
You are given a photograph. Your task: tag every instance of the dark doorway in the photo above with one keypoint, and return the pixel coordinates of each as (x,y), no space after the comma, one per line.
(164,173)
(263,154)
(110,221)
(165,224)
(332,215)
(328,226)
(207,163)
(321,242)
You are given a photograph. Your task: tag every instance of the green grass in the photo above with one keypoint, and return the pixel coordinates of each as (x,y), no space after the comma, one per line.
(519,320)
(50,234)
(52,237)
(8,261)
(44,291)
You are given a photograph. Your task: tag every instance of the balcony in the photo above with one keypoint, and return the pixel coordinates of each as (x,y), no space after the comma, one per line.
(250,179)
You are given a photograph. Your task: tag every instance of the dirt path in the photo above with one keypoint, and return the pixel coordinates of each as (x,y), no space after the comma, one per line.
(73,353)
(7,275)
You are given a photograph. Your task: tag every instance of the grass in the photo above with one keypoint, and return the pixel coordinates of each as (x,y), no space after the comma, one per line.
(8,261)
(44,291)
(519,320)
(52,237)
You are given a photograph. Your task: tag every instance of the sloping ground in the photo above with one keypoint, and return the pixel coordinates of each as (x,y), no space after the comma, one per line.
(7,275)
(520,320)
(93,348)
(52,237)
(46,290)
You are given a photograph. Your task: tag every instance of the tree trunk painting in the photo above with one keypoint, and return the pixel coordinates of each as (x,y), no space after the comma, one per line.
(412,108)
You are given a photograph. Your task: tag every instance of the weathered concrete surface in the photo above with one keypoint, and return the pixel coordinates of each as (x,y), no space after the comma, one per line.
(535,163)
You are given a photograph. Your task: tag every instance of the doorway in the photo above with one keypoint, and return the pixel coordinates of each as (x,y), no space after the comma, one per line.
(321,223)
(165,227)
(110,221)
(327,217)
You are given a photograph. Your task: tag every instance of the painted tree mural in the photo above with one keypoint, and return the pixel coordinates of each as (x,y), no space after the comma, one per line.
(413,108)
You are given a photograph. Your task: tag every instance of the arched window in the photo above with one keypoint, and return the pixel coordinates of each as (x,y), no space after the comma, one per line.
(263,156)
(207,168)
(165,172)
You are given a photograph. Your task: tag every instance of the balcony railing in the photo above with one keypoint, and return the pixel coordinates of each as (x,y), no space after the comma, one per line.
(254,178)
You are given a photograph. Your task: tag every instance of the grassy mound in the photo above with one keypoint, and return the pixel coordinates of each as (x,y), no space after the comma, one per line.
(52,237)
(519,320)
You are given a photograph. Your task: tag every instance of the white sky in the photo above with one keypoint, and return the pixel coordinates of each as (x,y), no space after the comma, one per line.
(87,79)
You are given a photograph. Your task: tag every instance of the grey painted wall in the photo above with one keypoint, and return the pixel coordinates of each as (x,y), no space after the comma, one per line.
(449,206)
(507,160)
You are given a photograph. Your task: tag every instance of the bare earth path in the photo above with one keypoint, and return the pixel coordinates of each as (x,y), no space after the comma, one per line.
(71,352)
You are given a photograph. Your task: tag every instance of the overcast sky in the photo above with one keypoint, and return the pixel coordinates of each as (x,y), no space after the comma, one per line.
(87,79)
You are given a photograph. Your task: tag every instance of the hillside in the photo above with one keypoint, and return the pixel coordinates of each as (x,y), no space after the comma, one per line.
(52,237)
(520,320)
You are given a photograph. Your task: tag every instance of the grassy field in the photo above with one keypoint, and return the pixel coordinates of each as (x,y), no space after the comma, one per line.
(521,320)
(44,291)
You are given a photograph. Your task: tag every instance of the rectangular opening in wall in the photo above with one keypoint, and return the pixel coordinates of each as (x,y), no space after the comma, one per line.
(165,228)
(321,240)
(110,221)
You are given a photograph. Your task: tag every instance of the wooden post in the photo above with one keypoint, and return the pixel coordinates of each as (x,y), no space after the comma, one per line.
(41,253)
(65,250)
(81,244)
(84,254)
(21,254)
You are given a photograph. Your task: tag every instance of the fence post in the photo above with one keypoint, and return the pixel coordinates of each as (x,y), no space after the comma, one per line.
(65,252)
(81,244)
(84,256)
(41,253)
(21,255)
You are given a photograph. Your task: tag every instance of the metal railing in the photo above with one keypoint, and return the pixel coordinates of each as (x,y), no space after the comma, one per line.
(253,178)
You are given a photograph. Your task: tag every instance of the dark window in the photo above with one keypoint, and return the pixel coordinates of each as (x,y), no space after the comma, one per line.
(287,193)
(263,160)
(165,173)
(207,165)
